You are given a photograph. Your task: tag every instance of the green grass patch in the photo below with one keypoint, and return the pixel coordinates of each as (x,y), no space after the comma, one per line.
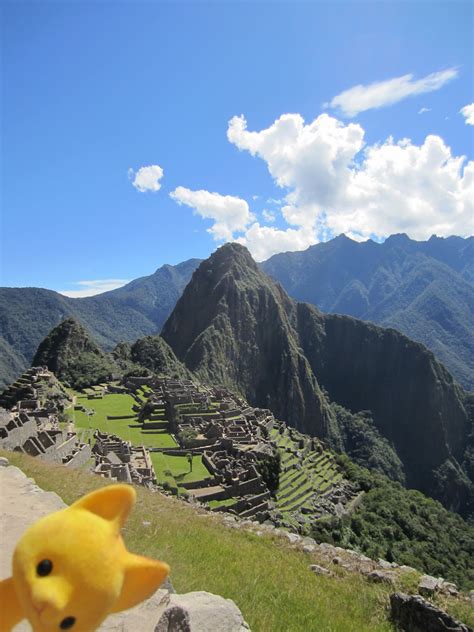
(179,467)
(227,502)
(268,580)
(127,429)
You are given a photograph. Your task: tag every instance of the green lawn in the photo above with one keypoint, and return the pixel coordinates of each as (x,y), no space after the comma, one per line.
(222,503)
(179,467)
(127,429)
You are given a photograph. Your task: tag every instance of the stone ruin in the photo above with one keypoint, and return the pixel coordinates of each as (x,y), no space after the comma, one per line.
(31,424)
(41,437)
(118,460)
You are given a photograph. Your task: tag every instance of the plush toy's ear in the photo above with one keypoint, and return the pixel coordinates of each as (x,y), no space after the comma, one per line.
(112,503)
(10,609)
(143,577)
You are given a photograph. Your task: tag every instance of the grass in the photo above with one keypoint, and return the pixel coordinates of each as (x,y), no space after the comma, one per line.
(227,502)
(127,429)
(269,581)
(179,467)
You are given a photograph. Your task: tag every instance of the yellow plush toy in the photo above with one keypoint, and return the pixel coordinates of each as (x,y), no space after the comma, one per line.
(71,569)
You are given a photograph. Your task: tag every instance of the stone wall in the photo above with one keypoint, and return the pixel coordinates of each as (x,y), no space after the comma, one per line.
(17,432)
(80,456)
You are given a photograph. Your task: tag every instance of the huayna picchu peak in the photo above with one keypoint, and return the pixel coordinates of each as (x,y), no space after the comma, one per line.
(234,326)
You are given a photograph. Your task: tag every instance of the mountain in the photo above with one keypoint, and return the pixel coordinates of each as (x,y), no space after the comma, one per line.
(138,309)
(70,353)
(233,325)
(424,289)
(152,353)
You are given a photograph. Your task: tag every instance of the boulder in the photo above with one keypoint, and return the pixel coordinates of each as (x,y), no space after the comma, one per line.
(4,462)
(407,569)
(449,588)
(428,585)
(382,577)
(415,614)
(293,538)
(320,570)
(201,612)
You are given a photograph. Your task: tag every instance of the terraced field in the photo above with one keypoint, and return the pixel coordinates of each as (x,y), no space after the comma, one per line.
(176,470)
(128,428)
(304,473)
(173,470)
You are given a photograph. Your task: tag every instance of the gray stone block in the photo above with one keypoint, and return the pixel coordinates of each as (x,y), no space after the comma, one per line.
(414,614)
(201,612)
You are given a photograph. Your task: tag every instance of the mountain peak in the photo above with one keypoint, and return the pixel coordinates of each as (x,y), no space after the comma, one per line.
(233,326)
(398,238)
(230,253)
(69,351)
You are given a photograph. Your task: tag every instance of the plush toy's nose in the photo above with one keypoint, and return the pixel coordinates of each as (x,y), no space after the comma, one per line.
(51,593)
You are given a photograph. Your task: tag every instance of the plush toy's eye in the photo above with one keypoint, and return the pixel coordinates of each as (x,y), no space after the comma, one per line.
(67,623)
(44,568)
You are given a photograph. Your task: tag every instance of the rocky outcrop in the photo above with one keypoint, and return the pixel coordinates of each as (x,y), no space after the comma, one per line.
(412,613)
(201,612)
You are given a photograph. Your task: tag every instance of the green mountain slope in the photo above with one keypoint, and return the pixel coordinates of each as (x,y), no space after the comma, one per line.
(234,326)
(423,289)
(27,315)
(152,353)
(73,356)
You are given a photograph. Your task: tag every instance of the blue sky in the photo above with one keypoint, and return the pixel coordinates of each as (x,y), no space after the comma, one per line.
(95,91)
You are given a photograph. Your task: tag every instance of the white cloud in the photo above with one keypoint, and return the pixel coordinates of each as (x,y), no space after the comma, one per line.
(269,216)
(335,184)
(146,178)
(265,241)
(230,214)
(91,288)
(382,93)
(313,160)
(468,112)
(424,110)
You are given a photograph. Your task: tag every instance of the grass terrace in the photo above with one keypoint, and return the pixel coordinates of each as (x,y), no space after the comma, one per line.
(226,502)
(179,468)
(316,474)
(129,429)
